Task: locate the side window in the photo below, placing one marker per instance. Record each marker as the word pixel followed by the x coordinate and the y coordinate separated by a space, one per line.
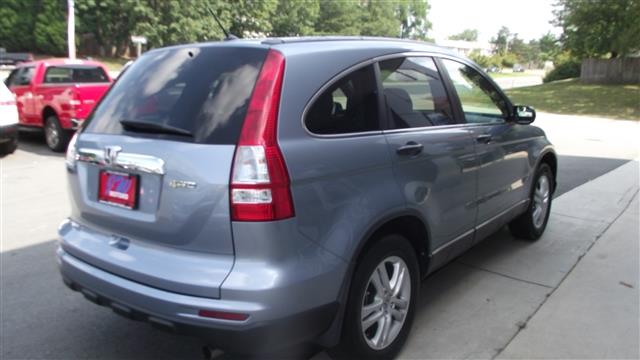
pixel 57 75
pixel 481 102
pixel 67 74
pixel 20 76
pixel 349 105
pixel 12 78
pixel 414 93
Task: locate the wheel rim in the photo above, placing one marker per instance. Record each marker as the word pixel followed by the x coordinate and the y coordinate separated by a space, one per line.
pixel 385 303
pixel 541 197
pixel 51 134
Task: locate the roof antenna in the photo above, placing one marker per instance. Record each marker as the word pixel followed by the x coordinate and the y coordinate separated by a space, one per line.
pixel 227 36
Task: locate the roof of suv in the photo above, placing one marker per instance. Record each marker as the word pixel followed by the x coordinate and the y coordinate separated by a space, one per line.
pixel 315 43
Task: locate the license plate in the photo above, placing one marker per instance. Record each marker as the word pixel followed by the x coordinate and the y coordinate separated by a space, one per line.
pixel 118 189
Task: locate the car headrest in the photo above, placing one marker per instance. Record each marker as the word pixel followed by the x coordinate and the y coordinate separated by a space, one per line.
pixel 398 100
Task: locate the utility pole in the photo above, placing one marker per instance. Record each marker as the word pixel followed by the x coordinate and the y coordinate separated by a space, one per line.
pixel 71 29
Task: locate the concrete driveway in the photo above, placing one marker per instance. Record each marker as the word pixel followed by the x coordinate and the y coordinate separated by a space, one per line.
pixel 573 294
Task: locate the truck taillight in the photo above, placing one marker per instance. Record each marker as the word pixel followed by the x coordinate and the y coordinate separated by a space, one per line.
pixel 259 188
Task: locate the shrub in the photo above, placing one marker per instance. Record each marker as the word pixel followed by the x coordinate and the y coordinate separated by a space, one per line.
pixel 508 60
pixel 566 70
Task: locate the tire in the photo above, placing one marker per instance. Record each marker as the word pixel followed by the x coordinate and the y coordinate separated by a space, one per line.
pixel 531 224
pixel 8 147
pixel 396 253
pixel 56 137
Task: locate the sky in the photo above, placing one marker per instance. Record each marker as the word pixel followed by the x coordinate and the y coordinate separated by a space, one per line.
pixel 528 18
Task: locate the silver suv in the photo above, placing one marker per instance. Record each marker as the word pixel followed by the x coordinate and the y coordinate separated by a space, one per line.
pixel 266 193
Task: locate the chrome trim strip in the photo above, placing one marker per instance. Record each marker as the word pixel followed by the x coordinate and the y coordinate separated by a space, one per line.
pixel 486 222
pixel 451 242
pixel 125 161
pixel 460 237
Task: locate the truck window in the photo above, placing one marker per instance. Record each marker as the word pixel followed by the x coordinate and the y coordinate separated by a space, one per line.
pixel 20 76
pixel 75 74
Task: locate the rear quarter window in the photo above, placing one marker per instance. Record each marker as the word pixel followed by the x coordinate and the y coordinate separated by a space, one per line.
pixel 75 74
pixel 349 105
pixel 204 91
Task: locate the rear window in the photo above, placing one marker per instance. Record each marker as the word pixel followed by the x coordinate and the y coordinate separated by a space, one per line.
pixel 201 92
pixel 75 74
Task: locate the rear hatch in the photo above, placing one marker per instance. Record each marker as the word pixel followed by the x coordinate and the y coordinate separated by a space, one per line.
pixel 150 187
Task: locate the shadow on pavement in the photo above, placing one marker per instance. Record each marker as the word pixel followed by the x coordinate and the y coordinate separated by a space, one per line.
pixel 42 318
pixel 33 142
pixel 577 170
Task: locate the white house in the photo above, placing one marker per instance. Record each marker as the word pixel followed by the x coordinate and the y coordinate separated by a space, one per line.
pixel 465 48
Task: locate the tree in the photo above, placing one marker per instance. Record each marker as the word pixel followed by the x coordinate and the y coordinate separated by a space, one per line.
pixel 50 30
pixel 518 48
pixel 110 22
pixel 338 18
pixel 17 21
pixel 549 47
pixel 378 19
pixel 295 18
pixel 466 35
pixel 599 28
pixel 412 15
pixel 501 41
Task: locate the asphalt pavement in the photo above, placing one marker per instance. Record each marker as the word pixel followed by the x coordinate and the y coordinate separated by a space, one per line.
pixel 498 300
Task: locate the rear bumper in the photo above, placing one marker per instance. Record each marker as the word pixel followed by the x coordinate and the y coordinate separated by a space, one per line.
pixel 178 313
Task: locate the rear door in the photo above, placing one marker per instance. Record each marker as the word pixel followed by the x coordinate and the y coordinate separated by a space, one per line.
pixel 501 145
pixel 433 153
pixel 155 160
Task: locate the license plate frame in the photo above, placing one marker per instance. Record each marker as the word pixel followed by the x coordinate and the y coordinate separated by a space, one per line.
pixel 118 189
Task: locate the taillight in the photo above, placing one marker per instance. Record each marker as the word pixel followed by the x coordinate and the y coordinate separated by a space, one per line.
pixel 72 152
pixel 259 180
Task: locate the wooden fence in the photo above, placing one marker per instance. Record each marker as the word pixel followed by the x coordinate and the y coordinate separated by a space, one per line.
pixel 611 71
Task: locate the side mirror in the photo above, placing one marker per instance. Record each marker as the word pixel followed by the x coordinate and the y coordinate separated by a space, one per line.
pixel 524 114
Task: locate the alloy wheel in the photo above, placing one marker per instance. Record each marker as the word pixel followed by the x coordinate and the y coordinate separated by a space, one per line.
pixel 541 201
pixel 51 134
pixel 386 302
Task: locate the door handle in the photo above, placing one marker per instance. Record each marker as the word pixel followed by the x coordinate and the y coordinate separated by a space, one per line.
pixel 411 148
pixel 484 139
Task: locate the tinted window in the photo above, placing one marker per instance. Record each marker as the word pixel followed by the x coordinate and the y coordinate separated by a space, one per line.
pixel 480 101
pixel 350 105
pixel 9 81
pixel 203 91
pixel 414 93
pixel 75 74
pixel 20 76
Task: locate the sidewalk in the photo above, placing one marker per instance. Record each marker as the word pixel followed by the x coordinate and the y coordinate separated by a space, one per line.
pixel 564 296
pixel 593 313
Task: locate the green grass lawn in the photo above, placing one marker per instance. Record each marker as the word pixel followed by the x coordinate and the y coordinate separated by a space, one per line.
pixel 577 98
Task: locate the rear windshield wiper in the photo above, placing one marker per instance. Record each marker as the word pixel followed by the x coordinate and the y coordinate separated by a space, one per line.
pixel 153 127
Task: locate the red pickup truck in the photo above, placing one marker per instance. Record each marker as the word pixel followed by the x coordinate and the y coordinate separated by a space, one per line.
pixel 57 95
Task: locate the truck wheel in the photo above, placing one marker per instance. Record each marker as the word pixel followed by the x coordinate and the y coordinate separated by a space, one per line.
pixel 382 301
pixel 56 137
pixel 531 224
